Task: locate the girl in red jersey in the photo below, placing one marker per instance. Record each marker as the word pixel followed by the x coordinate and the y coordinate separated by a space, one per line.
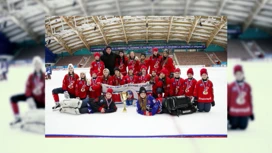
pixel 117 78
pixel 94 85
pixel 143 61
pixel 68 86
pixel 162 85
pixel 177 84
pixel 34 91
pixel 155 61
pixel 203 92
pixel 122 62
pixel 189 84
pixel 106 78
pixel 130 78
pixel 132 61
pixel 144 77
pixel 240 106
pixel 97 64
pixel 81 86
pixel 167 62
pixel 152 77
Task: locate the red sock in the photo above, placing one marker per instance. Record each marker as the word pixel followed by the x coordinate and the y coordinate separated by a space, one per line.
pixel 15 108
pixel 56 97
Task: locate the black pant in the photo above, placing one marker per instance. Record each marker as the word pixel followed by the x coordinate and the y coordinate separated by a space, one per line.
pixel 88 106
pixel 22 97
pixel 238 122
pixel 60 90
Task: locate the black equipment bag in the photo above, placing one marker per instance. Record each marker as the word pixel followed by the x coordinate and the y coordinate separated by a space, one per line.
pixel 178 105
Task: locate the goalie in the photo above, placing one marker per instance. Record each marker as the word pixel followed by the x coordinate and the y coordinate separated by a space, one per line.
pixel 103 104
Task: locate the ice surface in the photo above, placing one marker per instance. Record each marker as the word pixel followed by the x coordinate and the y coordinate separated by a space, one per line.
pixel 133 124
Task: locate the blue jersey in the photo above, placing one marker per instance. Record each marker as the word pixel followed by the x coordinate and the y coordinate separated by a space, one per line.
pixel 48 70
pixel 152 106
pixel 4 66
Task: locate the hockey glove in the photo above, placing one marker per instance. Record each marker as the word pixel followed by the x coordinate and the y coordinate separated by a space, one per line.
pixel 213 103
pixel 252 117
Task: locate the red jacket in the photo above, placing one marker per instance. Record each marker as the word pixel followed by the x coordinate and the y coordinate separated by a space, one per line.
pixel 155 63
pixel 135 64
pixel 105 80
pixel 177 87
pixel 160 84
pixel 69 83
pixel 122 64
pixel 144 63
pixel 189 87
pixel 199 92
pixel 35 87
pixel 144 79
pixel 116 81
pixel 81 89
pixel 130 79
pixel 239 106
pixel 168 64
pixel 97 65
pixel 95 84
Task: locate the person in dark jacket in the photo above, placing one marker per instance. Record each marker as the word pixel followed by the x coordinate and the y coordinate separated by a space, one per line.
pixel 109 59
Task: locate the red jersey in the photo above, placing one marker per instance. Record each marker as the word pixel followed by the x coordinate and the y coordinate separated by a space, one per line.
pixel 69 83
pixel 239 99
pixel 177 87
pixel 105 80
pixel 155 63
pixel 97 65
pixel 35 87
pixel 165 84
pixel 168 64
pixel 117 81
pixel 204 91
pixel 144 78
pixel 95 84
pixel 189 87
pixel 135 64
pixel 144 62
pixel 122 64
pixel 81 89
pixel 130 79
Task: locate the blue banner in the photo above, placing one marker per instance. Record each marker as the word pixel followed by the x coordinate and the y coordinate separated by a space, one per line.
pixel 150 47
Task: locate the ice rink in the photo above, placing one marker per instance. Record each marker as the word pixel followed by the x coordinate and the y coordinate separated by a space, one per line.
pixel 255 139
pixel 131 124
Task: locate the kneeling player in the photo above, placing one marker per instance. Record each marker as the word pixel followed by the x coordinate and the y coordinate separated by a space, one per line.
pixel 34 93
pixel 239 101
pixel 148 105
pixel 203 92
pixel 103 104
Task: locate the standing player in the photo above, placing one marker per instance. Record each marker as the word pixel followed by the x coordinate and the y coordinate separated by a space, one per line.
pixel 189 84
pixel 34 93
pixel 147 105
pixel 68 86
pixel 167 62
pixel 177 84
pixel 131 78
pixel 134 62
pixel 155 61
pixel 103 104
pixel 203 92
pixel 240 106
pixel 122 62
pixel 143 61
pixel 81 86
pixel 144 77
pixel 94 85
pixel 97 64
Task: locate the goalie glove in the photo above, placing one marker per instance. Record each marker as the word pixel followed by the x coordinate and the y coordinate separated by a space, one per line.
pixel 66 95
pixel 31 103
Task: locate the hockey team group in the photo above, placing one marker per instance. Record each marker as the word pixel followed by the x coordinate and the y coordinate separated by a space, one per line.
pixel 85 96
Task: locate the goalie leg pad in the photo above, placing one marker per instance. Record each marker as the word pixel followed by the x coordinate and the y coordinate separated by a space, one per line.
pixel 34 121
pixel 74 111
pixel 72 103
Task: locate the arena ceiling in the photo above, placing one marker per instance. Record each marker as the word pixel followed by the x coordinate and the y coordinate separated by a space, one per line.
pixel 24 19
